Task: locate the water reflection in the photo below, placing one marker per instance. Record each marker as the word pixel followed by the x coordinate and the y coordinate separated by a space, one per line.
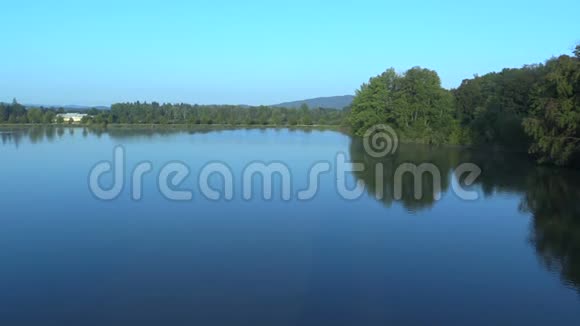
pixel 34 134
pixel 552 199
pixel 14 135
pixel 549 195
pixel 383 188
pixel 37 134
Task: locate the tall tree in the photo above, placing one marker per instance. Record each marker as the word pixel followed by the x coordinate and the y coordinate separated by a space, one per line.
pixel 414 103
pixel 374 102
pixel 554 122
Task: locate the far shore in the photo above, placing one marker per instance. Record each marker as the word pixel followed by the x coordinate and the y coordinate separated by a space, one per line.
pixel 173 125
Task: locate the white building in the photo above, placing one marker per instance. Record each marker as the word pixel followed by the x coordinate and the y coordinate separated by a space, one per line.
pixel 76 117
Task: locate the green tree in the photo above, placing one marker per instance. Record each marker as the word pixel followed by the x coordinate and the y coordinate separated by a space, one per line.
pixel 3 113
pixel 414 103
pixel 34 115
pixel 493 106
pixel 305 115
pixel 424 110
pixel 48 117
pixel 374 102
pixel 554 122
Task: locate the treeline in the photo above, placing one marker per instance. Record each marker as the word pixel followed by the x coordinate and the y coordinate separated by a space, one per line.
pixel 535 108
pixel 155 113
pixel 17 113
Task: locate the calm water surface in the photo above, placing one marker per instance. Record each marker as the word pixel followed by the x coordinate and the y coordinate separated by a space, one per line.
pixel 67 258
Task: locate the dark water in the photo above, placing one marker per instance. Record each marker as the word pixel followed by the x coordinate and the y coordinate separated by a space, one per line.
pixel 67 258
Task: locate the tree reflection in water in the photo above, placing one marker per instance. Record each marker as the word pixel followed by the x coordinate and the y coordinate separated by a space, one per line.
pixel 551 196
pixel 443 158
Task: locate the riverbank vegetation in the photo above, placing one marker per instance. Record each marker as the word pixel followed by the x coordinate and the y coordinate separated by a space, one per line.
pixel 131 113
pixel 15 113
pixel 183 114
pixel 535 108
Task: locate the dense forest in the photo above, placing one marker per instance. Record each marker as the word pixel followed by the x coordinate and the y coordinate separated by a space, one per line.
pixel 535 108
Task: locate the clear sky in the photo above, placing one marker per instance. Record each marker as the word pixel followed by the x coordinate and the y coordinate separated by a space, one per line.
pixel 261 52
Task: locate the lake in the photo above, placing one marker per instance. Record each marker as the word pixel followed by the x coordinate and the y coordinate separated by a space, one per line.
pixel 510 256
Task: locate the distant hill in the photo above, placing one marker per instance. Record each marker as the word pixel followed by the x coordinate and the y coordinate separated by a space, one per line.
pixel 68 107
pixel 84 107
pixel 333 102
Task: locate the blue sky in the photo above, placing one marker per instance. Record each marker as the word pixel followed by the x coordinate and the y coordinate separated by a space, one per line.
pixel 261 52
